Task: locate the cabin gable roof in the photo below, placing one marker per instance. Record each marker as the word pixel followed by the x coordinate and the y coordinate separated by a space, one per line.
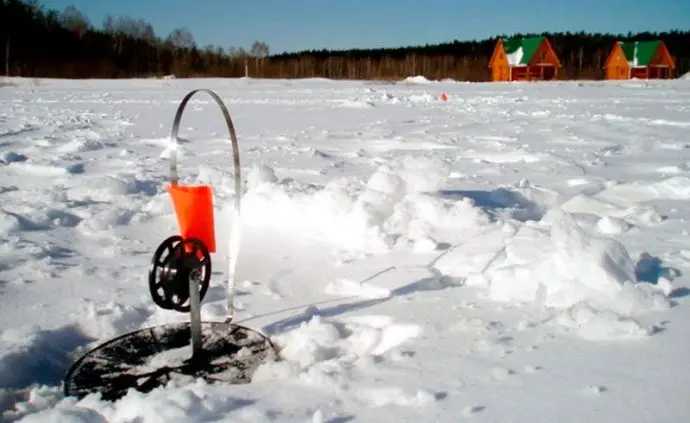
pixel 519 51
pixel 639 53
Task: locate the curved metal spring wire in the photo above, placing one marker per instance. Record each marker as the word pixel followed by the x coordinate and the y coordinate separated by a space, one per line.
pixel 174 179
pixel 174 176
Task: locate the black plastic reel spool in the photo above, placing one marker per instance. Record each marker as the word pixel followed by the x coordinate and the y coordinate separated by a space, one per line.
pixel 176 261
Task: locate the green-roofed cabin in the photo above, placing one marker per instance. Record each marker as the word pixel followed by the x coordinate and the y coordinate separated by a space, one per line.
pixel 640 60
pixel 524 59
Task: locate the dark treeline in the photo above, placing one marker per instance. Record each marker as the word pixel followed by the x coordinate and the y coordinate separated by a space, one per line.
pixel 38 42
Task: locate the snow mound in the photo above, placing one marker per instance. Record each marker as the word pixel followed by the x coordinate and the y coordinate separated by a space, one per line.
pixel 394 205
pixel 561 267
pixel 417 80
pixel 195 401
pixel 617 207
pixel 674 188
pixel 685 77
pixel 422 98
pixel 357 104
pixel 598 325
pixel 505 157
pixel 385 97
pixel 319 351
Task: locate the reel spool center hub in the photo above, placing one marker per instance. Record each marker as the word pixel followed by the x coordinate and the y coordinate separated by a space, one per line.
pixel 176 261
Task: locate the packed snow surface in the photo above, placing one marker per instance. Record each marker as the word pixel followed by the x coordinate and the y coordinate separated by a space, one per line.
pixel 515 253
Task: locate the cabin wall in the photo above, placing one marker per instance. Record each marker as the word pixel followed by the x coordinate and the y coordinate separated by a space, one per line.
pixel 519 73
pixel 542 73
pixel 661 65
pixel 659 58
pixel 639 73
pixel 549 73
pixel 544 55
pixel 652 72
pixel 617 72
pixel 617 65
pixel 499 64
pixel 660 72
pixel 534 73
pixel 500 73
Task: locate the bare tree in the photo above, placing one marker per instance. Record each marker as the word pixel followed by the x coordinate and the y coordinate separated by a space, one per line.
pixel 74 20
pixel 7 55
pixel 259 51
pixel 181 38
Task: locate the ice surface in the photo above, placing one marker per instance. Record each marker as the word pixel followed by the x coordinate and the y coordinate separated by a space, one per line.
pixel 516 253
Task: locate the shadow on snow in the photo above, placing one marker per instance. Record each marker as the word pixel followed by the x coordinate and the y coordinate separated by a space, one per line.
pixel 500 203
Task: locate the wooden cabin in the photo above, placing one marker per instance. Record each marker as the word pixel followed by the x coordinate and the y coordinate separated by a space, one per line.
pixel 524 59
pixel 639 59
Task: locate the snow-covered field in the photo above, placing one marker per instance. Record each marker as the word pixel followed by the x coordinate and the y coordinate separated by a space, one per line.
pixel 516 253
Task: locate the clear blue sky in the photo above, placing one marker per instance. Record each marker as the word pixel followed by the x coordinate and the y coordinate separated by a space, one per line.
pixel 291 25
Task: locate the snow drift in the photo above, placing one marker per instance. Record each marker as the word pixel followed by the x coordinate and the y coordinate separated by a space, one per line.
pixel 557 263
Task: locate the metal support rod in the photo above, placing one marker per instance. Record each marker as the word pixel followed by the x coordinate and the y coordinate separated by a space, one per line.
pixel 195 314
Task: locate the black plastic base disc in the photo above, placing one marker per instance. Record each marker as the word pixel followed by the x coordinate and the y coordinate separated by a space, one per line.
pixel 151 357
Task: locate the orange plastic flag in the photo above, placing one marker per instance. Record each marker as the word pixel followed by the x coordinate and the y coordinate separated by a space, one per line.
pixel 194 211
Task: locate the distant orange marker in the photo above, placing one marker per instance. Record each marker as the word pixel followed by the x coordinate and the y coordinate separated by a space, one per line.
pixel 443 96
